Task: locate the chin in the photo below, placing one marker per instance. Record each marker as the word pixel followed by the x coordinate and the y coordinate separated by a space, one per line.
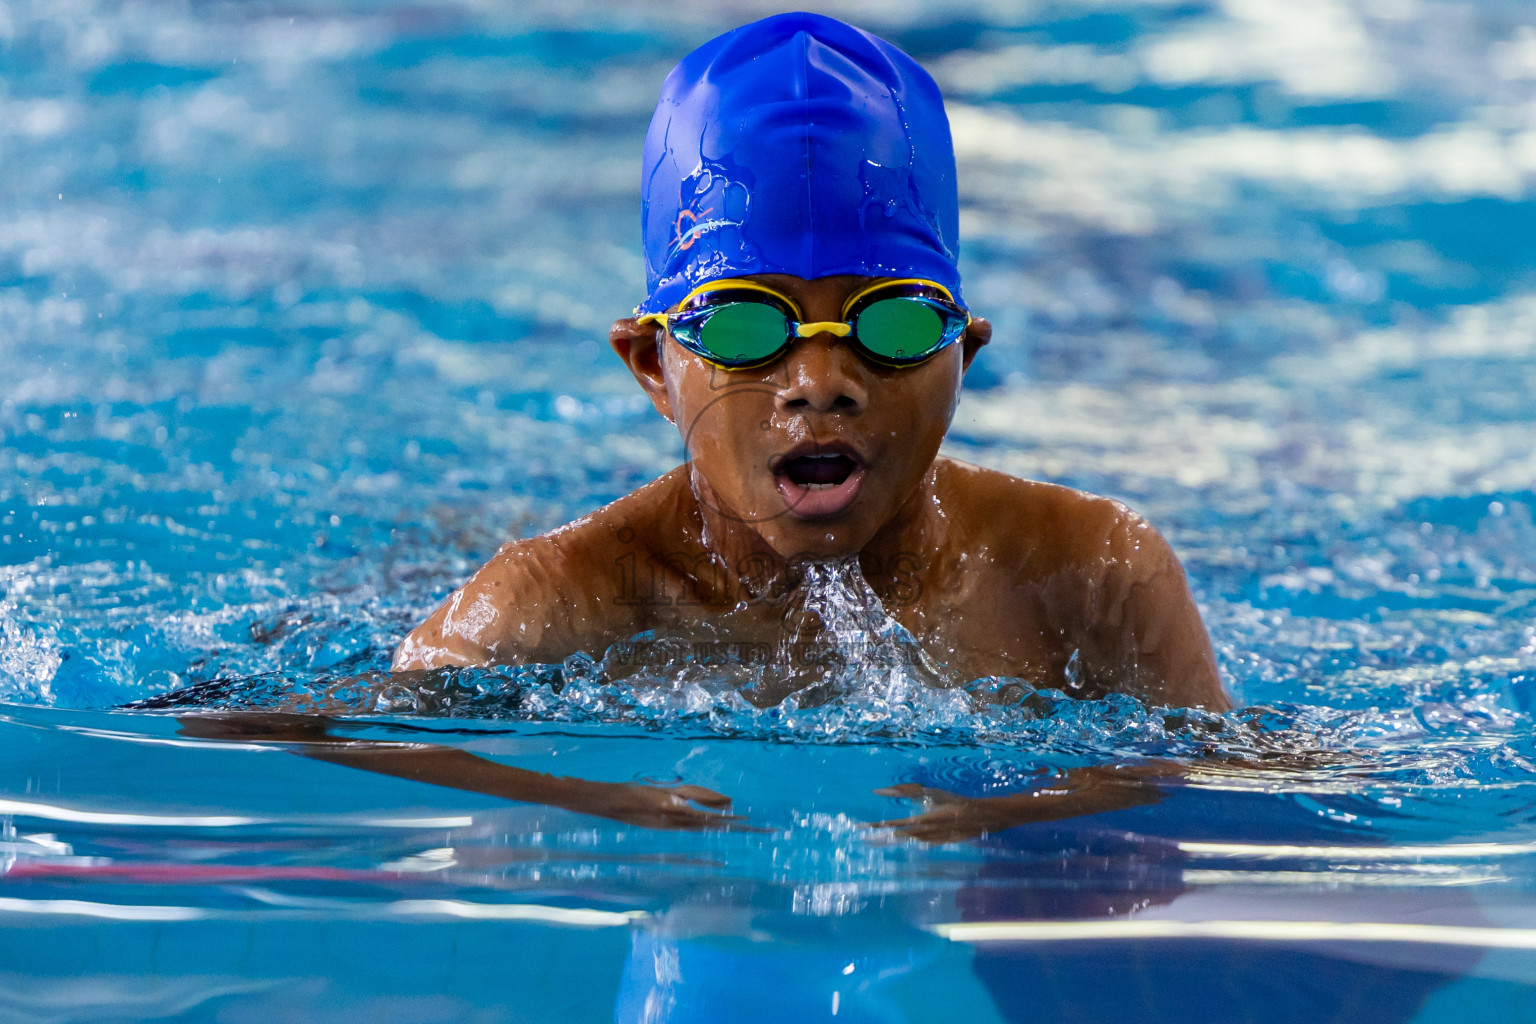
pixel 816 539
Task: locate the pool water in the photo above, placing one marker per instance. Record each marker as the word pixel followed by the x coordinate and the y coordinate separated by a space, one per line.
pixel 302 314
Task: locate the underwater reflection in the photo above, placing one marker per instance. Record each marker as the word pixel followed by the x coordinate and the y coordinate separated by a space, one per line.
pixel 1080 918
pixel 880 958
pixel 888 960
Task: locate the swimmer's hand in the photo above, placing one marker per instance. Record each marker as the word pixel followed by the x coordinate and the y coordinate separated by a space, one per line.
pixel 669 807
pixel 950 818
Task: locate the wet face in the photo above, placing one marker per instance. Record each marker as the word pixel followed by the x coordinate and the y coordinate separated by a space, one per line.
pixel 820 449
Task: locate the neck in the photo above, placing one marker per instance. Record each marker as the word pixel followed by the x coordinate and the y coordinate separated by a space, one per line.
pixel 748 566
pixel 901 559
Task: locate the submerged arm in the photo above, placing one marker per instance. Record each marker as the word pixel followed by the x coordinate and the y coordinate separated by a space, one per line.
pixel 311 736
pixel 1092 789
pixel 949 818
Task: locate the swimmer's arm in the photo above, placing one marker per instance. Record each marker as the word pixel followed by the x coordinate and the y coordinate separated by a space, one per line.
pixel 1091 789
pixel 1147 637
pixel 314 737
pixel 949 818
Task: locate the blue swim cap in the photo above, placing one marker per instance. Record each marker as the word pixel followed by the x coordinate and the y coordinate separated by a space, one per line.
pixel 797 145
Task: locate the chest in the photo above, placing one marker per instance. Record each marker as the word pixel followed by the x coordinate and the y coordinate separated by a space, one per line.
pixel 974 619
pixel 988 624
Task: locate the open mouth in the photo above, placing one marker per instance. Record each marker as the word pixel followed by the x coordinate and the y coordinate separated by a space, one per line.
pixel 819 472
pixel 820 483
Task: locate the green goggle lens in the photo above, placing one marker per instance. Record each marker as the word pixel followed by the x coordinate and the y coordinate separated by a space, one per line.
pixel 743 332
pixel 899 328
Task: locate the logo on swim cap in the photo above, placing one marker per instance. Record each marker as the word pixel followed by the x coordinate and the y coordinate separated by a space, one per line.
pixel 708 202
pixel 797 145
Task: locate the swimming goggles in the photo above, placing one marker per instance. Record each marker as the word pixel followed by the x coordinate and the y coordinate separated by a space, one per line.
pixel 737 324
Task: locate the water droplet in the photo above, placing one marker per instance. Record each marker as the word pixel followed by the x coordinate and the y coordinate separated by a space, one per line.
pixel 1074 673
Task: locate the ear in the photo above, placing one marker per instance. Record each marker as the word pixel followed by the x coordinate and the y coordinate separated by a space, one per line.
pixel 976 335
pixel 639 345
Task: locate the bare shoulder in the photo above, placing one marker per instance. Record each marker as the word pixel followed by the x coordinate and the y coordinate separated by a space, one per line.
pixel 1109 584
pixel 594 540
pixel 542 598
pixel 1048 527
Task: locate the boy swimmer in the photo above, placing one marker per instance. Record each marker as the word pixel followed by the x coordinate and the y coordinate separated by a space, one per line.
pixel 806 332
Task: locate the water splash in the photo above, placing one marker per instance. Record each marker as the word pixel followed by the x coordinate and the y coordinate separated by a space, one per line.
pixel 29 659
pixel 845 671
pixel 836 644
pixel 862 651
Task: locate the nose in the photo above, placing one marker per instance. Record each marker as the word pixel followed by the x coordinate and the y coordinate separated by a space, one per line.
pixel 824 375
